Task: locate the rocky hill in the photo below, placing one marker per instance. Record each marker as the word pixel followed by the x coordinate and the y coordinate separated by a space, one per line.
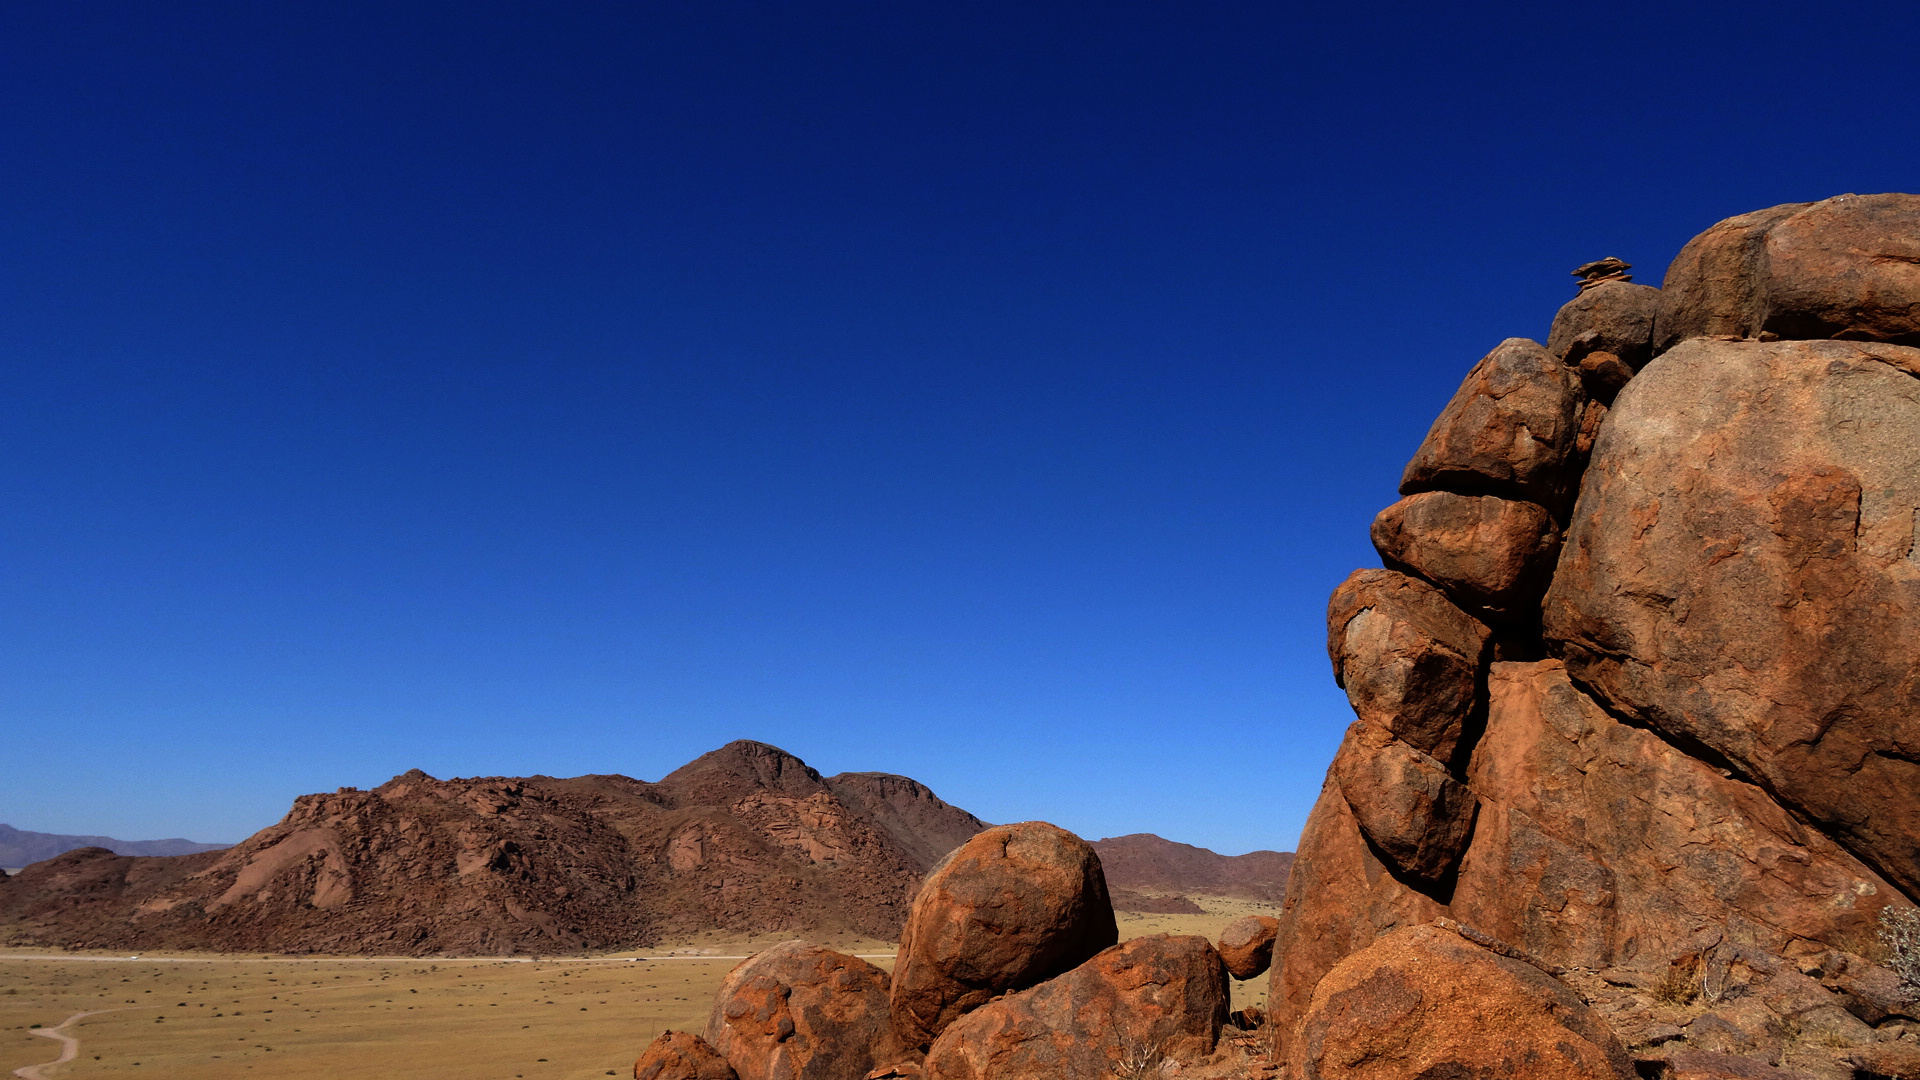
pixel 747 838
pixel 1145 862
pixel 1638 699
pixel 18 847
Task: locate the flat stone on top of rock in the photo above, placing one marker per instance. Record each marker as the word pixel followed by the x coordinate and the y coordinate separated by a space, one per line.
pixel 1012 907
pixel 803 1012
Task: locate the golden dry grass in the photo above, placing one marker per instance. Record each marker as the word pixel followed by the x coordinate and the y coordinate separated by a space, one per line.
pixel 229 1017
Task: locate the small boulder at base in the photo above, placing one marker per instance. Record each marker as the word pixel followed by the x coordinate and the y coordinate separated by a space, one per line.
pixel 1423 1002
pixel 681 1055
pixel 1491 556
pixel 1508 430
pixel 1408 658
pixel 1246 945
pixel 1012 907
pixel 803 1012
pixel 1140 1003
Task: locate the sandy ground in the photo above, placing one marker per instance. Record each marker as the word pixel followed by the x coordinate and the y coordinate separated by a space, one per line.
pixel 214 1017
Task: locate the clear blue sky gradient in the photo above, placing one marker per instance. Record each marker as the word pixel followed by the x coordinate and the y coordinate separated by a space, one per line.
pixel 990 393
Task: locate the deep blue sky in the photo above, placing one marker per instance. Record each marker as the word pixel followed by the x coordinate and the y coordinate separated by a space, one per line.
pixel 990 393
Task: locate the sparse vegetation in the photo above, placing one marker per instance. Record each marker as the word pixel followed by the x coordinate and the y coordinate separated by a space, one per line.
pixel 1900 933
pixel 1677 987
pixel 1139 1061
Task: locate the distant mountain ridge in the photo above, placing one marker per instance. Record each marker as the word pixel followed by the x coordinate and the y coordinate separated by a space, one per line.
pixel 20 847
pixel 1143 861
pixel 747 838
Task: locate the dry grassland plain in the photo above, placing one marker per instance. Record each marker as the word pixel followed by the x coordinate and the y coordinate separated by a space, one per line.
pixel 216 1017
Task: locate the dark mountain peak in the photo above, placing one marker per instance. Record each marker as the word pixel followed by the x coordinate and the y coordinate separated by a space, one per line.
pixel 1146 861
pixel 739 769
pixel 923 824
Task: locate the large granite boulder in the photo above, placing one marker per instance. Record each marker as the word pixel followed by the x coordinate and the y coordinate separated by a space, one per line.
pixel 1740 574
pixel 1846 267
pixel 1408 658
pixel 1422 1002
pixel 1149 1000
pixel 803 1012
pixel 1508 431
pixel 1492 556
pixel 1012 907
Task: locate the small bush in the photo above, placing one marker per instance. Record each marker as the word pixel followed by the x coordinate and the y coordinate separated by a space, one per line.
pixel 1677 987
pixel 1900 933
pixel 1138 1062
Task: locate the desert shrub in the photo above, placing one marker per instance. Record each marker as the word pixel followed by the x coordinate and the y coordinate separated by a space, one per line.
pixel 1900 933
pixel 1138 1061
pixel 1677 987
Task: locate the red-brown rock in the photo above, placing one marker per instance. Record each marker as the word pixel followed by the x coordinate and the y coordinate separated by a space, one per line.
pixel 1417 815
pixel 1012 907
pixel 1422 1002
pixel 1707 1065
pixel 1613 317
pixel 1408 658
pixel 1246 945
pixel 1491 556
pixel 1846 267
pixel 1339 898
pixel 1740 574
pixel 681 1055
pixel 803 1012
pixel 1508 430
pixel 1158 996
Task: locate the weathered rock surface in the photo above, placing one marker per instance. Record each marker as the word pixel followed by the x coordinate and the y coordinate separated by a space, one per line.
pixel 1421 1002
pixel 1741 574
pixel 1613 317
pixel 1408 658
pixel 1846 267
pixel 1491 556
pixel 1246 945
pixel 746 838
pixel 1404 801
pixel 1508 430
pixel 1012 907
pixel 803 1012
pixel 681 1055
pixel 1159 995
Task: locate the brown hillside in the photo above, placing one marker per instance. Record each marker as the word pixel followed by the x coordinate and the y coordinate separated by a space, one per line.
pixel 1145 861
pixel 746 838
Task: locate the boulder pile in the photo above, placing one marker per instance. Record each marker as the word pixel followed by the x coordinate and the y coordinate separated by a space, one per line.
pixel 1009 969
pixel 1636 764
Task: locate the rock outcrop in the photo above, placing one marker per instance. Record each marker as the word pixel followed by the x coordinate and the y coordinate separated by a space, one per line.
pixel 1148 1000
pixel 746 839
pixel 1655 742
pixel 1422 1002
pixel 681 1055
pixel 1012 907
pixel 802 1012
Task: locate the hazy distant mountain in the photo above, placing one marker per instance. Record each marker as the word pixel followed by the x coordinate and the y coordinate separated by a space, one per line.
pixel 1143 861
pixel 18 847
pixel 745 839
